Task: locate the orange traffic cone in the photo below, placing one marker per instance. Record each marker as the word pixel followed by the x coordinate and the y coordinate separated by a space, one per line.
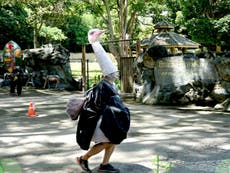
pixel 31 110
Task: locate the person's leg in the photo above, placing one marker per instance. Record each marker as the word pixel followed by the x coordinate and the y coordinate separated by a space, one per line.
pixel 108 152
pixel 95 150
pixel 19 87
pixel 83 160
pixel 106 166
pixel 12 87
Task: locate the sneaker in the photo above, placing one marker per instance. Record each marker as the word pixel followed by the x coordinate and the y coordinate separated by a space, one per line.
pixel 108 168
pixel 83 164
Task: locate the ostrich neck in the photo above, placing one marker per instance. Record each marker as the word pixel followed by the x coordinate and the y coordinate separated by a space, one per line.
pixel 103 58
pixel 97 47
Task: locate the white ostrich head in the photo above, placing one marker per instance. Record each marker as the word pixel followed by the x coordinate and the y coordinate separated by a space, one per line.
pixel 94 34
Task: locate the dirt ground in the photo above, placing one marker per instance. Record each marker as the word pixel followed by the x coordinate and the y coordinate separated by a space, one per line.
pixel 193 139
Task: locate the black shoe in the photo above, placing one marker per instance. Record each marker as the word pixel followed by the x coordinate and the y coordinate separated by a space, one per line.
pixel 108 168
pixel 83 164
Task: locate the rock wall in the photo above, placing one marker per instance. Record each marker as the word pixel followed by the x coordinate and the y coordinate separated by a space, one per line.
pixel 202 79
pixel 50 60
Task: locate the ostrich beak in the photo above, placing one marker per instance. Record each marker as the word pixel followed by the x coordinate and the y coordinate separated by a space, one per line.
pixel 100 32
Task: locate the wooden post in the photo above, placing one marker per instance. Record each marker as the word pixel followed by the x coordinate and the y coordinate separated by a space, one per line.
pixel 138 51
pixel 87 76
pixel 126 72
pixel 83 69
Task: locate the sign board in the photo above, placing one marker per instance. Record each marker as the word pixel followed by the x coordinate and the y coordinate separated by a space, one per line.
pixel 178 71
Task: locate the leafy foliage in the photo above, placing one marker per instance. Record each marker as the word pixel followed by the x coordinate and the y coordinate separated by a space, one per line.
pixel 222 28
pixel 68 21
pixel 51 34
pixel 14 25
pixel 205 19
pixel 201 31
pixel 160 166
pixel 76 32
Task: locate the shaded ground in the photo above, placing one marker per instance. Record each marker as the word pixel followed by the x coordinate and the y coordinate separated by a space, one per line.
pixel 193 139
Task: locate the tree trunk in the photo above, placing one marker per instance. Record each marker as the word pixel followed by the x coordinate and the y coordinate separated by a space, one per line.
pixel 35 35
pixel 36 31
pixel 112 48
pixel 122 24
pixel 35 39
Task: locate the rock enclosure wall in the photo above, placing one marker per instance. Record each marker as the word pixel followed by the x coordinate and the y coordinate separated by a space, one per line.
pixel 50 60
pixel 202 79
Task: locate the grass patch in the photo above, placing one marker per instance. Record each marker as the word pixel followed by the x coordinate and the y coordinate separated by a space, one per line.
pixel 94 73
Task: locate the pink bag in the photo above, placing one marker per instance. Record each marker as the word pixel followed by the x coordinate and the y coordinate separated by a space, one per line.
pixel 74 107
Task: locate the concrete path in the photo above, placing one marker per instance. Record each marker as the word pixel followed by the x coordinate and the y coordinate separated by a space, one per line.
pixel 192 139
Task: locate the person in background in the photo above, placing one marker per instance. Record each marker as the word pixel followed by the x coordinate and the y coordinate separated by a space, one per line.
pixel 16 81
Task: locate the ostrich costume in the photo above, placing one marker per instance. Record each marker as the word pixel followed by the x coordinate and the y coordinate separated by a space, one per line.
pixel 104 60
pixel 104 118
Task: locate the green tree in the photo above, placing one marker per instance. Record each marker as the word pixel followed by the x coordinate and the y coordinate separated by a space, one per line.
pixel 222 28
pixel 45 14
pixel 51 34
pixel 204 20
pixel 76 31
pixel 122 18
pixel 14 25
pixel 49 20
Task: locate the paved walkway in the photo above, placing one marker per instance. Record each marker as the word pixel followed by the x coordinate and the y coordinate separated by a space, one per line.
pixel 192 139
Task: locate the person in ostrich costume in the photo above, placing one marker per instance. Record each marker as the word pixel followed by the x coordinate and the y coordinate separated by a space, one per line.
pixel 108 121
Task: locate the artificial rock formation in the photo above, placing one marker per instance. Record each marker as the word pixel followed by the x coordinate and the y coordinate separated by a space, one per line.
pixel 202 79
pixel 50 61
